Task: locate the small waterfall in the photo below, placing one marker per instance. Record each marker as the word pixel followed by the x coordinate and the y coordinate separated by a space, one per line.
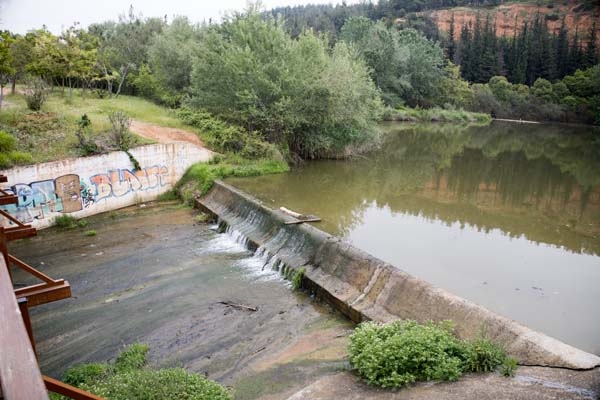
pixel 237 236
pixel 261 265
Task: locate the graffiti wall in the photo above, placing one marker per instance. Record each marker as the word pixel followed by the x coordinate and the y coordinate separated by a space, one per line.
pixel 90 185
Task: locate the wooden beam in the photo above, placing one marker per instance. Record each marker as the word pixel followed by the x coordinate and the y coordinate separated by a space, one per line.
pixel 44 293
pixel 3 179
pixel 40 275
pixel 20 375
pixel 27 320
pixel 8 199
pixel 56 386
pixel 18 232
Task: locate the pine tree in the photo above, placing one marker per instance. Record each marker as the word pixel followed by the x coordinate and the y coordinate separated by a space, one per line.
pixel 590 57
pixel 561 53
pixel 451 42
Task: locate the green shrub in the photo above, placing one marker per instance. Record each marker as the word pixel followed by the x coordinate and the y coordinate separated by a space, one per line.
pixel 403 352
pixel 133 357
pixel 483 355
pixel 166 384
pixel 127 379
pixel 66 222
pixel 396 354
pixel 225 137
pixel 509 366
pixel 86 373
pixel 90 233
pixel 37 93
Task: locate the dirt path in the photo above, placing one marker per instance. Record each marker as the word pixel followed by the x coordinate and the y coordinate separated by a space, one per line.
pixel 163 134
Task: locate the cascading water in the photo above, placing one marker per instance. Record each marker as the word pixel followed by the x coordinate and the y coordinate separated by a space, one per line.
pixel 262 265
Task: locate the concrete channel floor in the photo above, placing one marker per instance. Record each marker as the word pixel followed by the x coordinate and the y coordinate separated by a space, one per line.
pixel 154 275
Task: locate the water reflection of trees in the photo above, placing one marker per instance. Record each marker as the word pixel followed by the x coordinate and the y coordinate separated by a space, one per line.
pixel 537 181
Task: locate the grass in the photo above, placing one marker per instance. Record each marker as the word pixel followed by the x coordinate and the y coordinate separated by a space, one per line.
pixel 437 114
pixel 200 177
pixel 129 378
pixel 90 233
pixel 50 134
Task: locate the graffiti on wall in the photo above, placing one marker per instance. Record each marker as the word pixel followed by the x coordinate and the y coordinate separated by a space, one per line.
pixel 69 193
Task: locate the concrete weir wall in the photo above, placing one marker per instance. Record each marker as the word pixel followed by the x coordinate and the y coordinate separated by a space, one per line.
pixel 366 288
pixel 85 186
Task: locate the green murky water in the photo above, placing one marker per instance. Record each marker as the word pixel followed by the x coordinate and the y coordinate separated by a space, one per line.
pixel 506 215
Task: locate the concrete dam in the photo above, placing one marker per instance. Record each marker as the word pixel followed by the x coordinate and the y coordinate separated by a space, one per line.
pixel 365 288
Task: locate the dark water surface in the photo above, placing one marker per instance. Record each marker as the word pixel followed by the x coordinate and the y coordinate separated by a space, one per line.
pixel 506 215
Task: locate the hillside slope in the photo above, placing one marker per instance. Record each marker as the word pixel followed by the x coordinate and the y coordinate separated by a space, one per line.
pixel 510 16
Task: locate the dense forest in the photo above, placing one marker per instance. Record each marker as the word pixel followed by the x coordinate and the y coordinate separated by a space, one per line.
pixel 313 80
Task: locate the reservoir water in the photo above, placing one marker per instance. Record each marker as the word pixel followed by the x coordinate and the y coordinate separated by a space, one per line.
pixel 506 215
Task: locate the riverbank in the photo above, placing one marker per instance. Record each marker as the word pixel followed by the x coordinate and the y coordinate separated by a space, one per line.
pixel 436 114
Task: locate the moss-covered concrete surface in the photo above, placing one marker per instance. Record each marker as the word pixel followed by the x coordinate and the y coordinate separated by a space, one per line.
pixel 154 275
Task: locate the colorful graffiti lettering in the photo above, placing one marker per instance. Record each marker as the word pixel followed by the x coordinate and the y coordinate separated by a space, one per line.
pixel 119 182
pixel 68 193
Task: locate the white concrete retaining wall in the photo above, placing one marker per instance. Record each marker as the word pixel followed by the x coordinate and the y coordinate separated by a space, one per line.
pixel 85 186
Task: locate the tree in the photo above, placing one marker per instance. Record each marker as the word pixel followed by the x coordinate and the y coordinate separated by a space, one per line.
pixel 124 45
pixel 6 68
pixel 296 93
pixel 22 56
pixel 171 54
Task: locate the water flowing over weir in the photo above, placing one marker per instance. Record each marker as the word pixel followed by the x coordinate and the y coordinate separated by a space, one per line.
pixel 366 288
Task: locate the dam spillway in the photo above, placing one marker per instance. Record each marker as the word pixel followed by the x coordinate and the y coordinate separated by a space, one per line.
pixel 366 288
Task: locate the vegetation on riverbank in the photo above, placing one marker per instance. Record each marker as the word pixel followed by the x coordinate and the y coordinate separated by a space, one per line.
pixel 402 352
pixel 436 114
pixel 200 177
pixel 129 378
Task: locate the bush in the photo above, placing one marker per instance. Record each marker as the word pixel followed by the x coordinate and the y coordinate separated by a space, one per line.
pixel 402 352
pixel 120 123
pixel 86 373
pixel 37 93
pixel 86 145
pixel 225 137
pixel 483 355
pixel 133 357
pixel 166 384
pixel 66 222
pixel 127 379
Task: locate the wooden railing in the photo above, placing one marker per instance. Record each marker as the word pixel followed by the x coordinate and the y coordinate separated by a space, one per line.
pixel 20 376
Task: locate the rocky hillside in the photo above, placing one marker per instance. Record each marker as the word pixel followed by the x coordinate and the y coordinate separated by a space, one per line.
pixel 510 16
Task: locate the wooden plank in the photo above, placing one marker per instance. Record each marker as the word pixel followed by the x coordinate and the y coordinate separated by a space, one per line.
pixel 23 307
pixel 40 275
pixel 43 293
pixel 3 179
pixel 20 375
pixel 20 233
pixel 72 392
pixel 9 199
pixel 301 221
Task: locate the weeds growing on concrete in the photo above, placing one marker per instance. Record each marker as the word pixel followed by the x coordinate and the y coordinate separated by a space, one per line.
pixel 396 354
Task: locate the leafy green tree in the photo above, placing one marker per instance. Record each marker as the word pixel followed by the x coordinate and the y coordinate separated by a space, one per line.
pixel 6 68
pixel 22 56
pixel 296 93
pixel 171 54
